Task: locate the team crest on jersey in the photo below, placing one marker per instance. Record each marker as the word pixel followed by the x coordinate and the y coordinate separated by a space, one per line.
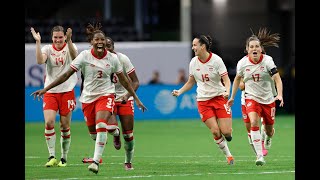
pixel 211 69
pixel 198 69
pixel 53 54
pixel 108 65
pixel 247 69
pixel 249 104
pixel 64 52
pixel 92 65
pixel 261 68
pixel 244 116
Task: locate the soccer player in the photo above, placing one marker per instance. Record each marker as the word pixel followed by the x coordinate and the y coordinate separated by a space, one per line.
pixel 259 74
pixel 57 57
pixel 209 72
pixel 123 107
pixel 97 98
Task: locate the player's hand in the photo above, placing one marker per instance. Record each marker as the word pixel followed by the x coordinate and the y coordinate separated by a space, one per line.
pixel 36 35
pixel 140 105
pixel 279 98
pixel 69 34
pixel 38 94
pixel 230 102
pixel 175 93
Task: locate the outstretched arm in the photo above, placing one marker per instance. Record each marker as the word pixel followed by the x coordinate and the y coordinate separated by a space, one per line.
pixel 55 83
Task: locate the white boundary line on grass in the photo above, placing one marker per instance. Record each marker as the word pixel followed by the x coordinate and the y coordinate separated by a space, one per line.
pixel 178 175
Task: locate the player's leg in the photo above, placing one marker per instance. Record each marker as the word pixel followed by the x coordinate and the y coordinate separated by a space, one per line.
pixel 263 136
pixel 220 141
pixel 225 125
pixel 269 119
pixel 89 116
pixel 256 137
pixel 67 103
pixel 103 113
pixel 50 107
pixel 50 136
pixel 247 124
pixel 101 139
pixel 114 130
pixel 65 138
pixel 127 123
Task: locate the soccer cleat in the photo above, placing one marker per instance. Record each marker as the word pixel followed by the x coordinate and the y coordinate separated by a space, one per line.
pixel 267 141
pixel 51 162
pixel 94 167
pixel 128 166
pixel 62 163
pixel 230 160
pixel 264 151
pixel 117 141
pixel 90 160
pixel 260 161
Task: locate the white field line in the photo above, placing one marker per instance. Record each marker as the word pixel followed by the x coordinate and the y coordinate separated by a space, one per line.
pixel 179 175
pixel 36 157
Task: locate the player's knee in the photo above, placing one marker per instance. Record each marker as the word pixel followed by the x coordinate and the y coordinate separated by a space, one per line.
pixel 101 126
pixel 112 128
pixel 128 135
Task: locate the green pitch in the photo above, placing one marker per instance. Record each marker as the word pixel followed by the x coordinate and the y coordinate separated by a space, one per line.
pixel 173 150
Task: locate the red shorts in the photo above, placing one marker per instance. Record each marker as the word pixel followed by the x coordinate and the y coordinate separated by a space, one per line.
pixel 103 103
pixel 245 116
pixel 266 111
pixel 64 102
pixel 124 109
pixel 214 107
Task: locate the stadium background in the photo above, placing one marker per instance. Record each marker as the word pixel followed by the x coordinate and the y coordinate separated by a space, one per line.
pixel 157 35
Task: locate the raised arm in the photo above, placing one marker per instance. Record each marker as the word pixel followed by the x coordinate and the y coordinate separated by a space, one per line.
pixel 73 51
pixel 40 57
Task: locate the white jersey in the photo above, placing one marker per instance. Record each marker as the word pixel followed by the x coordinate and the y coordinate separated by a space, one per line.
pixel 57 63
pixel 127 68
pixel 208 76
pixel 259 84
pixel 96 73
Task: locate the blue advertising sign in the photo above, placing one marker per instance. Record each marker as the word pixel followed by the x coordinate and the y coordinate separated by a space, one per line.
pixel 157 98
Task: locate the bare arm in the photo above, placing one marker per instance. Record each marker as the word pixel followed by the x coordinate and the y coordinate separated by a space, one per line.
pixel 186 87
pixel 227 85
pixel 72 50
pixel 55 83
pixel 134 81
pixel 279 86
pixel 40 57
pixel 235 87
pixel 125 83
